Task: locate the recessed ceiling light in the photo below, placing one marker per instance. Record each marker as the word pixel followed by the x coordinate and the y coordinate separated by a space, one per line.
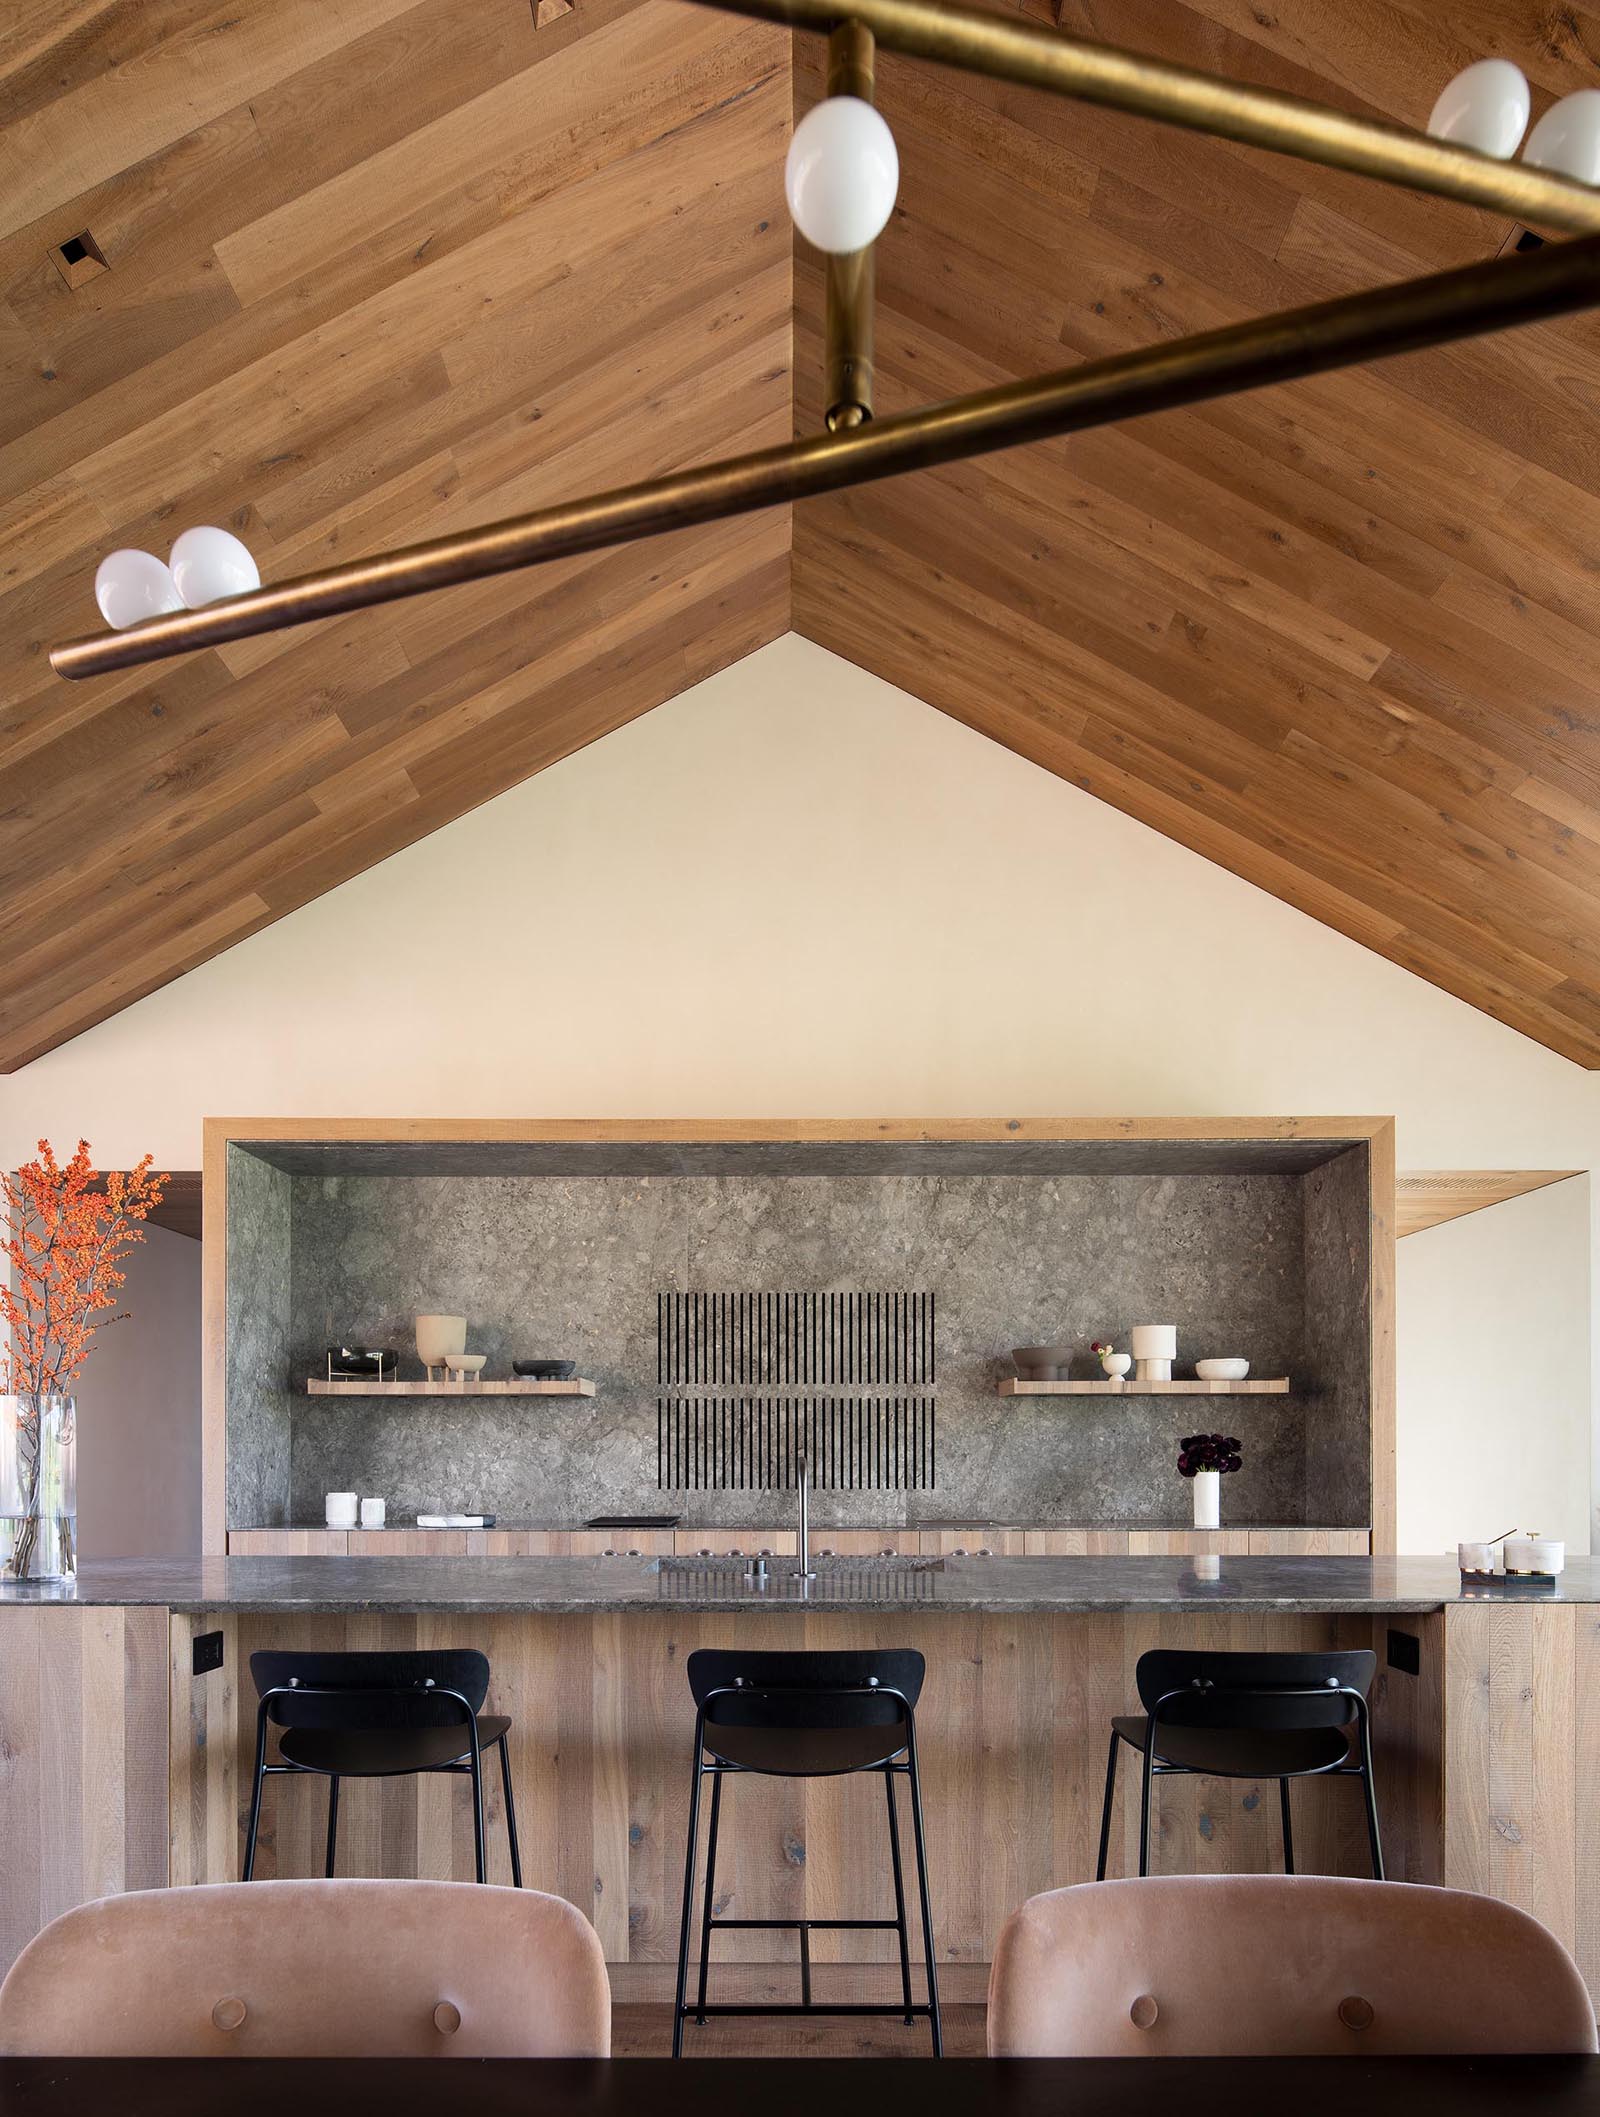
pixel 78 259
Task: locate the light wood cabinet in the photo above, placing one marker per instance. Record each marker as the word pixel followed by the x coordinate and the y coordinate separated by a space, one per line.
pixel 1310 1543
pixel 288 1543
pixel 945 1542
pixel 568 1543
pixel 980 1538
pixel 1076 1543
pixel 694 1543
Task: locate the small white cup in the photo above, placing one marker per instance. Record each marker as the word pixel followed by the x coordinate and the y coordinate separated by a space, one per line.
pixel 372 1514
pixel 1476 1558
pixel 1549 1555
pixel 339 1510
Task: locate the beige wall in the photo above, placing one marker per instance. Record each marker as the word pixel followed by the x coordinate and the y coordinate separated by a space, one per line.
pixel 1493 1371
pixel 139 1411
pixel 795 890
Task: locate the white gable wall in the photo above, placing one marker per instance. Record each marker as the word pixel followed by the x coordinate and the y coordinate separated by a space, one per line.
pixel 797 891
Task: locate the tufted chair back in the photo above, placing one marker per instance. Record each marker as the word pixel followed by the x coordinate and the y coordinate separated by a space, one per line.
pixel 340 1969
pixel 1279 1966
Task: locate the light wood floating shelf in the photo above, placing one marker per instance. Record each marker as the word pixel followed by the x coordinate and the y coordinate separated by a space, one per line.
pixel 1426 1198
pixel 1273 1386
pixel 517 1386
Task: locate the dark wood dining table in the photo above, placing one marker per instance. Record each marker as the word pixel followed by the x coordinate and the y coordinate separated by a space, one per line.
pixel 843 2087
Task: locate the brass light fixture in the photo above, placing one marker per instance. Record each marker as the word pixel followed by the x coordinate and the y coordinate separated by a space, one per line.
pixel 1553 187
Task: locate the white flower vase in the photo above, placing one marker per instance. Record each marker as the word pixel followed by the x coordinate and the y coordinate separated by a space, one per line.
pixel 1115 1366
pixel 1207 1499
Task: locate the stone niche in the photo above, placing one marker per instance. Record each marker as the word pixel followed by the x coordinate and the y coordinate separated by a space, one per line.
pixel 1249 1247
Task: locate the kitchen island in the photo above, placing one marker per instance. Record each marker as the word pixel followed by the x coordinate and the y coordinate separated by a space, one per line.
pixel 127 1716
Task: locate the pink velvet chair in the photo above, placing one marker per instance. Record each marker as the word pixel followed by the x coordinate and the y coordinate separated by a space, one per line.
pixel 341 1969
pixel 1192 1966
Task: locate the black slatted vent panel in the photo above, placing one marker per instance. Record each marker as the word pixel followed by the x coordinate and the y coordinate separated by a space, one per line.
pixel 799 1340
pixel 747 1444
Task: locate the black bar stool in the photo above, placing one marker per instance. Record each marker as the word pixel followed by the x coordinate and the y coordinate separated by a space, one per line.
pixel 806 1716
pixel 1248 1716
pixel 379 1716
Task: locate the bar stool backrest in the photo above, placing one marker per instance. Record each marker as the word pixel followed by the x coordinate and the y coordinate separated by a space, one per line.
pixel 340 1969
pixel 396 1685
pixel 1265 1691
pixel 1279 1966
pixel 798 1690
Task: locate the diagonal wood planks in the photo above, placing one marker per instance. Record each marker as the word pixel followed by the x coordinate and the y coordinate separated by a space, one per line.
pixel 1342 637
pixel 377 270
pixel 381 269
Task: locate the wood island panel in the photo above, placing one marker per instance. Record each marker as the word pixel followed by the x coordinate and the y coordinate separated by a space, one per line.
pixel 1013 1726
pixel 120 1768
pixel 83 1760
pixel 1522 1751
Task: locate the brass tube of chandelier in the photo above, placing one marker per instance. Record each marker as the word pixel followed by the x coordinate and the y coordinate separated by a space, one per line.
pixel 1552 281
pixel 1040 57
pixel 848 305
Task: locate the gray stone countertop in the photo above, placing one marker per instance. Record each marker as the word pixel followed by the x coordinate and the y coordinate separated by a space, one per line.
pixel 579 1586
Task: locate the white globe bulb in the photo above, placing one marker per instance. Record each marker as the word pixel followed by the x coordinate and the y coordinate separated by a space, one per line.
pixel 132 585
pixel 210 563
pixel 842 175
pixel 1567 138
pixel 1485 106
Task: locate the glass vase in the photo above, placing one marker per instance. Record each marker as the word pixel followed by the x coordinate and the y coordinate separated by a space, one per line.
pixel 38 1488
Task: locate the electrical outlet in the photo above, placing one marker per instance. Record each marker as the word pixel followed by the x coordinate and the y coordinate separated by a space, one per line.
pixel 1405 1652
pixel 207 1652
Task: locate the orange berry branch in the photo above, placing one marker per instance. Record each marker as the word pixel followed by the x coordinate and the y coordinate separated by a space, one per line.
pixel 66 1233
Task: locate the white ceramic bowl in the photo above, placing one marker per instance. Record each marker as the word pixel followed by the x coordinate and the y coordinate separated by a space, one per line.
pixel 1222 1370
pixel 465 1363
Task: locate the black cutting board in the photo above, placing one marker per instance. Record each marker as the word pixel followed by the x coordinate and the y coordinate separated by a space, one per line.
pixel 633 1521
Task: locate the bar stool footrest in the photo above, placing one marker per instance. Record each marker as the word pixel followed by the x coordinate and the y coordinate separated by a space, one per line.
pixel 806 1925
pixel 691 2012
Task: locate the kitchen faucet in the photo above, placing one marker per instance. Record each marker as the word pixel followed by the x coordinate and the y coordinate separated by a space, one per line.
pixel 804 1569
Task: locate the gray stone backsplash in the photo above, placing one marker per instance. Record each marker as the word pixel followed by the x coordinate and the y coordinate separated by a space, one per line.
pixel 571 1268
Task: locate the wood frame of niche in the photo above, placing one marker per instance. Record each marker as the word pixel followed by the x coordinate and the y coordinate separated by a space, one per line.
pixel 222 1132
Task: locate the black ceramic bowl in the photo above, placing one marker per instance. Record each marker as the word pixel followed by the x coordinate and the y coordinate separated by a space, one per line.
pixel 352 1361
pixel 545 1370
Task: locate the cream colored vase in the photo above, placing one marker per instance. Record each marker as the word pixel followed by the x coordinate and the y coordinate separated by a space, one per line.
pixel 440 1336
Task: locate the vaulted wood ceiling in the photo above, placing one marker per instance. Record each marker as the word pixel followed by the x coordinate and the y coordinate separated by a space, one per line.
pixel 1342 638
pixel 378 268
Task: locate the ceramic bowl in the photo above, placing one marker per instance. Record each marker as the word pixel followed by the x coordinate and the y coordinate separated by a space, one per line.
pixel 1042 1363
pixel 465 1363
pixel 438 1337
pixel 545 1370
pixel 1222 1370
pixel 352 1361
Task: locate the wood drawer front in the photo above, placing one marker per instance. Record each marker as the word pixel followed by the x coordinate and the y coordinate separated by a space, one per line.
pixel 288 1543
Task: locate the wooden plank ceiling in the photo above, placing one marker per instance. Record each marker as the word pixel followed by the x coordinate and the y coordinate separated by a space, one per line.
pixel 379 268
pixel 1342 638
pixel 376 270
